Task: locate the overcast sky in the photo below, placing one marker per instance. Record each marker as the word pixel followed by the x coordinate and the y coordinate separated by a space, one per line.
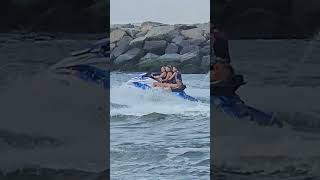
pixel 165 11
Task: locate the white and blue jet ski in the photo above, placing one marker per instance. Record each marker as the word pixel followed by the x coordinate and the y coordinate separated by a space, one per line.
pixel 144 81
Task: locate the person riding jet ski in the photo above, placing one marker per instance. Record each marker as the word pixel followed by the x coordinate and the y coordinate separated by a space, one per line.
pixel 224 80
pixel 175 81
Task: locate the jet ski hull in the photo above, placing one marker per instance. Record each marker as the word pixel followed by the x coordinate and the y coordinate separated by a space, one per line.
pixel 180 93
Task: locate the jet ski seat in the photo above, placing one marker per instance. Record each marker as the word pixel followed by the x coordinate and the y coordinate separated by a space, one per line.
pixel 179 90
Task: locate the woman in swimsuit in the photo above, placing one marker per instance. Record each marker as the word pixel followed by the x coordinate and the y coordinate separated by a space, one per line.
pixel 176 80
pixel 160 77
pixel 168 73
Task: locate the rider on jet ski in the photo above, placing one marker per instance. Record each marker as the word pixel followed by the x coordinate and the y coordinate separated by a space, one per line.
pixel 175 81
pixel 172 80
pixel 224 81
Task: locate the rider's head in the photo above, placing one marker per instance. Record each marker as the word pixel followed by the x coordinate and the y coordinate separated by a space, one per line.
pixel 163 69
pixel 174 69
pixel 168 68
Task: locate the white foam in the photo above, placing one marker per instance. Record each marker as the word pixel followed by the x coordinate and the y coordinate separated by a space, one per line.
pixel 141 102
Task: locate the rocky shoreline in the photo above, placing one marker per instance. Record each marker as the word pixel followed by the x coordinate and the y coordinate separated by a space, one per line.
pixel 147 46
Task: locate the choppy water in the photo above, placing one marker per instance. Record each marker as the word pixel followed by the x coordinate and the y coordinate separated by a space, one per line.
pixel 156 135
pixel 282 77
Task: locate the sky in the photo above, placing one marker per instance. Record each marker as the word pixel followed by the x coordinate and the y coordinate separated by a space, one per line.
pixel 164 11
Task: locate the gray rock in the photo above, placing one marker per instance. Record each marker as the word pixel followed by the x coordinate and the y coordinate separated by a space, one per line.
pixel 184 43
pixel 149 56
pixel 132 32
pixel 205 27
pixel 190 49
pixel 147 26
pixel 116 35
pixel 156 47
pixel 205 62
pixel 122 47
pixel 112 46
pixel 178 39
pixel 132 55
pixel 198 42
pixel 184 26
pixel 172 49
pixel 170 58
pixel 205 50
pixel 161 33
pixel 190 58
pixel 141 34
pixel 118 26
pixel 138 42
pixel 195 33
pixel 151 23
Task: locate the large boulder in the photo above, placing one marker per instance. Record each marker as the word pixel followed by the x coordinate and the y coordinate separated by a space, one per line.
pixel 148 25
pixel 131 56
pixel 205 62
pixel 138 42
pixel 195 33
pixel 184 26
pixel 121 26
pixel 178 39
pixel 112 46
pixel 189 49
pixel 162 33
pixel 172 49
pixel 205 27
pixel 122 47
pixel 116 35
pixel 149 56
pixel 156 47
pixel 132 32
pixel 170 59
pixel 205 50
pixel 190 58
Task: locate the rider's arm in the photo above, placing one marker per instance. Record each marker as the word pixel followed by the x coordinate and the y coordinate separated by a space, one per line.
pixel 167 78
pixel 160 76
pixel 172 76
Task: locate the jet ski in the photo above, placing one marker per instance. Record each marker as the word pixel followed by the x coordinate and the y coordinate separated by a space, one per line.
pixel 144 81
pixel 223 96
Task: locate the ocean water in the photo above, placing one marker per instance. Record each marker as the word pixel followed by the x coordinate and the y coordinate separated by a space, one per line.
pixel 156 135
pixel 282 77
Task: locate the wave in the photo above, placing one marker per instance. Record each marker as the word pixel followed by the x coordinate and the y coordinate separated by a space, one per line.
pixel 133 101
